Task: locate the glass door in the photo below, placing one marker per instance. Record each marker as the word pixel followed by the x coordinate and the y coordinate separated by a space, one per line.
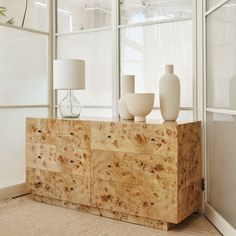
pixel 24 79
pixel 84 31
pixel 220 114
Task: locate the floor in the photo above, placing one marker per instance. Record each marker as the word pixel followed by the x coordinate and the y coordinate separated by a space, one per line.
pixel 25 217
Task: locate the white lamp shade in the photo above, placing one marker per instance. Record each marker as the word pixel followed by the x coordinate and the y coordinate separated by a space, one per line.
pixel 69 74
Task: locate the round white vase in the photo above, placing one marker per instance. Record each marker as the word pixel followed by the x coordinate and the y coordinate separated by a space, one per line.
pixel 127 86
pixel 140 105
pixel 169 94
pixel 123 109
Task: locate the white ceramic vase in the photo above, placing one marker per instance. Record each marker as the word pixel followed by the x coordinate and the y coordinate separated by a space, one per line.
pixel 127 86
pixel 169 94
pixel 140 105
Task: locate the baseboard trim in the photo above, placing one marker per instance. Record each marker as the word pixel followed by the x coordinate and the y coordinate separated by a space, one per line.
pixel 218 221
pixel 13 191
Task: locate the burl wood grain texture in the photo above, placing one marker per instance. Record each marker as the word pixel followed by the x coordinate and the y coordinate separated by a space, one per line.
pixel 189 199
pixel 154 157
pixel 130 171
pixel 133 137
pixel 139 200
pixel 59 132
pixel 58 185
pixel 142 169
pixel 66 159
pixel 189 169
pixel 58 159
pixel 189 153
pixel 109 214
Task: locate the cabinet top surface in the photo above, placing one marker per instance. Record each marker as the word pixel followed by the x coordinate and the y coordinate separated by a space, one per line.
pixel 116 120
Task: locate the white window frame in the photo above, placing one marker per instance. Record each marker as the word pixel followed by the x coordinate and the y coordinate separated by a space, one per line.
pixel 49 35
pixel 115 27
pixel 221 224
pixel 21 189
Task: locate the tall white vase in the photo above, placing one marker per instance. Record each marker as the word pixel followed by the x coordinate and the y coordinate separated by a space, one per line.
pixel 169 94
pixel 127 86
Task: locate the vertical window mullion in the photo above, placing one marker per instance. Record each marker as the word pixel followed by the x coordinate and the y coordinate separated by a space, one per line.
pixel 115 58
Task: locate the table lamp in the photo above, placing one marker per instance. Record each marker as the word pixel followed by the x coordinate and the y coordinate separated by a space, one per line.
pixel 69 75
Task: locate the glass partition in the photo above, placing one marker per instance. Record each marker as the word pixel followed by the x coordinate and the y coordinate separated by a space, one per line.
pixel 145 50
pixel 136 11
pixel 212 3
pixel 221 134
pixel 24 92
pixel 24 67
pixel 142 50
pixel 32 14
pixel 221 56
pixel 75 15
pixel 96 49
pixel 220 115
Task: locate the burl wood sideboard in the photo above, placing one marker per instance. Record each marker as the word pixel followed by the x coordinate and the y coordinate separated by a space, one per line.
pixel 144 173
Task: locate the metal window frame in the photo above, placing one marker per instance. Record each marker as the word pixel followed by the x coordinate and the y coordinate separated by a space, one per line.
pixel 17 190
pixel 154 22
pixel 213 8
pixel 24 29
pixel 115 28
pixel 209 211
pixel 199 107
pixel 49 105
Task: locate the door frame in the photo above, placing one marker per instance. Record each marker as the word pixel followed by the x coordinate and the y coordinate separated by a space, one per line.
pixel 217 220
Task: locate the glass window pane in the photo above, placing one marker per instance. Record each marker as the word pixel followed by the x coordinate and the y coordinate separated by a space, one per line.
pixel 12 139
pixel 183 115
pixel 221 133
pixel 134 11
pixel 212 3
pixel 35 11
pixel 146 49
pixel 107 113
pixel 96 49
pixel 74 15
pixel 221 56
pixel 24 67
pixel 93 112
